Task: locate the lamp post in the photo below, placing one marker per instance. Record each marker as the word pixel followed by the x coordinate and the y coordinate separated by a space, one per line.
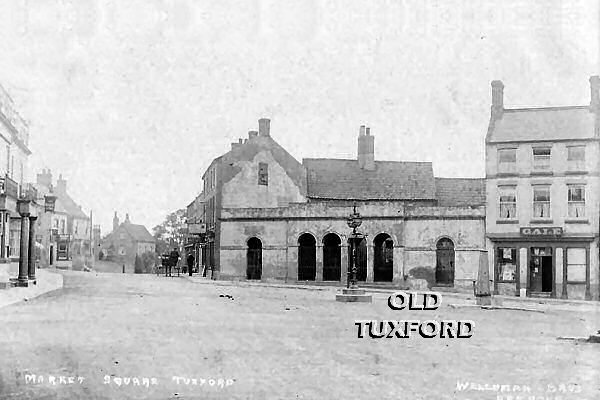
pixel 352 293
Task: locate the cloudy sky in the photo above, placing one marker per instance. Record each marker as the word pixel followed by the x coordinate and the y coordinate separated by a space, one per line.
pixel 131 100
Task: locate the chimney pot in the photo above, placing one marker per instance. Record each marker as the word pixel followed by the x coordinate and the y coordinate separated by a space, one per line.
pixel 264 127
pixel 362 130
pixel 240 141
pixel 368 130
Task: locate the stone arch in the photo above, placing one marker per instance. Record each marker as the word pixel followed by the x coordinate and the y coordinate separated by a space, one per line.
pixel 383 266
pixel 332 257
pixel 445 259
pixel 307 257
pixel 254 258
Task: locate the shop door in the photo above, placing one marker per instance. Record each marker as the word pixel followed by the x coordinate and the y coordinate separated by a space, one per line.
pixel 444 268
pixel 254 259
pixel 540 269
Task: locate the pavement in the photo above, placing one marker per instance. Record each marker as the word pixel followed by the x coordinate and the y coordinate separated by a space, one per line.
pixel 47 281
pixel 453 298
pixel 105 335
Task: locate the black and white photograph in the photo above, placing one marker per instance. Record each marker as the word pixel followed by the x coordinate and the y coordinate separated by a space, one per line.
pixel 300 199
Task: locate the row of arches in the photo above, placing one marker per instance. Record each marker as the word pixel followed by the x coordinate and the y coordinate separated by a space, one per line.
pixel 383 265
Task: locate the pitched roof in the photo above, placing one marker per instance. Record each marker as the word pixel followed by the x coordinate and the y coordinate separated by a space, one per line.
pixel 139 233
pixel 70 206
pixel 460 191
pixel 391 180
pixel 550 123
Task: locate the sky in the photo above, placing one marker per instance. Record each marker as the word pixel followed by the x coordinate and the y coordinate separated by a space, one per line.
pixel 131 100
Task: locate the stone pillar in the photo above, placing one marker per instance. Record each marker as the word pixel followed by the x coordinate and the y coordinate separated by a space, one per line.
pixel 24 256
pixel 344 262
pixel 558 275
pixel 564 294
pixel 370 262
pixel 319 261
pixel 398 276
pixel 31 264
pixel 523 270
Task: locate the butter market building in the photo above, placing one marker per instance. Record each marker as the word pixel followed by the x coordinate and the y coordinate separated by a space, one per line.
pixel 270 217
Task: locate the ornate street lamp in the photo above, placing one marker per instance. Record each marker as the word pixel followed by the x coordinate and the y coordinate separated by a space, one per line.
pixel 354 221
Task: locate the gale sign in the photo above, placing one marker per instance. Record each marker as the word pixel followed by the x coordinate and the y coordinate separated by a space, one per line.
pixel 549 231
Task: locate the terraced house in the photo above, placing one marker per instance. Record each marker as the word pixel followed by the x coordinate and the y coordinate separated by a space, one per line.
pixel 543 188
pixel 271 217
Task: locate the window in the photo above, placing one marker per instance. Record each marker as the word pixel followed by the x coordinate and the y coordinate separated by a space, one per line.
pixel 122 250
pixel 506 264
pixel 263 174
pixel 541 202
pixel 62 226
pixel 576 201
pixel 121 236
pixel 541 159
pixel 508 202
pixel 507 161
pixel 576 265
pixel 576 158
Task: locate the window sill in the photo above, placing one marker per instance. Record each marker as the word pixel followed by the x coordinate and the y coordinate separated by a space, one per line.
pixel 542 173
pixel 576 172
pixel 507 221
pixel 541 221
pixel 507 174
pixel 511 282
pixel 576 221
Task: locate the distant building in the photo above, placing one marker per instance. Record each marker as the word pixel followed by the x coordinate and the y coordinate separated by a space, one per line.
pixel 543 198
pixel 270 217
pixel 126 241
pixel 64 234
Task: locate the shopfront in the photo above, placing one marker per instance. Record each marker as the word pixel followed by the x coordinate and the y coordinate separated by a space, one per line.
pixel 542 262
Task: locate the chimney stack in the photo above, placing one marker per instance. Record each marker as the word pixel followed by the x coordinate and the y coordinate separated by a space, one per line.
pixel 497 99
pixel 61 184
pixel 595 93
pixel 45 178
pixel 264 127
pixel 127 221
pixel 252 134
pixel 366 149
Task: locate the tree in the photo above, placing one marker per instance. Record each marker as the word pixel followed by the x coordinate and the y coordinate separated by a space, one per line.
pixel 138 266
pixel 149 261
pixel 171 232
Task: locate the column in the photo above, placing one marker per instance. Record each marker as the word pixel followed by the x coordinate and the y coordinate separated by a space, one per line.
pixel 398 265
pixel 523 271
pixel 319 260
pixel 344 261
pixel 370 262
pixel 24 256
pixel 588 295
pixel 564 294
pixel 31 264
pixel 558 275
pixel 3 236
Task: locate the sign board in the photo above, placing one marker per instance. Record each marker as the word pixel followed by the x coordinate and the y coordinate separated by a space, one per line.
pixel 197 228
pixel 542 232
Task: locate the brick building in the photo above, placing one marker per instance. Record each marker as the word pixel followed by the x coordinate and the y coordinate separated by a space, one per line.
pixel 269 216
pixel 543 187
pixel 126 241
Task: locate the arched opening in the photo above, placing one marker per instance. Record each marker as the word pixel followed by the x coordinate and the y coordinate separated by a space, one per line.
pixel 383 267
pixel 254 259
pixel 307 257
pixel 332 257
pixel 444 268
pixel 360 246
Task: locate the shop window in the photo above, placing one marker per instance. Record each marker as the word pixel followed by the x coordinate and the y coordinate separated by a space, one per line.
pixel 263 174
pixel 541 159
pixel 508 202
pixel 576 201
pixel 506 264
pixel 576 158
pixel 507 161
pixel 576 265
pixel 541 202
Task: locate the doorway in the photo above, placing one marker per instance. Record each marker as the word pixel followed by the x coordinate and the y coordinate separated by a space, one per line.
pixel 51 254
pixel 383 267
pixel 540 269
pixel 332 257
pixel 444 267
pixel 254 259
pixel 307 257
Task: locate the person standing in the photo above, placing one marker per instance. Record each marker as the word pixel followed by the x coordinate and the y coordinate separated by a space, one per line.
pixel 173 258
pixel 190 263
